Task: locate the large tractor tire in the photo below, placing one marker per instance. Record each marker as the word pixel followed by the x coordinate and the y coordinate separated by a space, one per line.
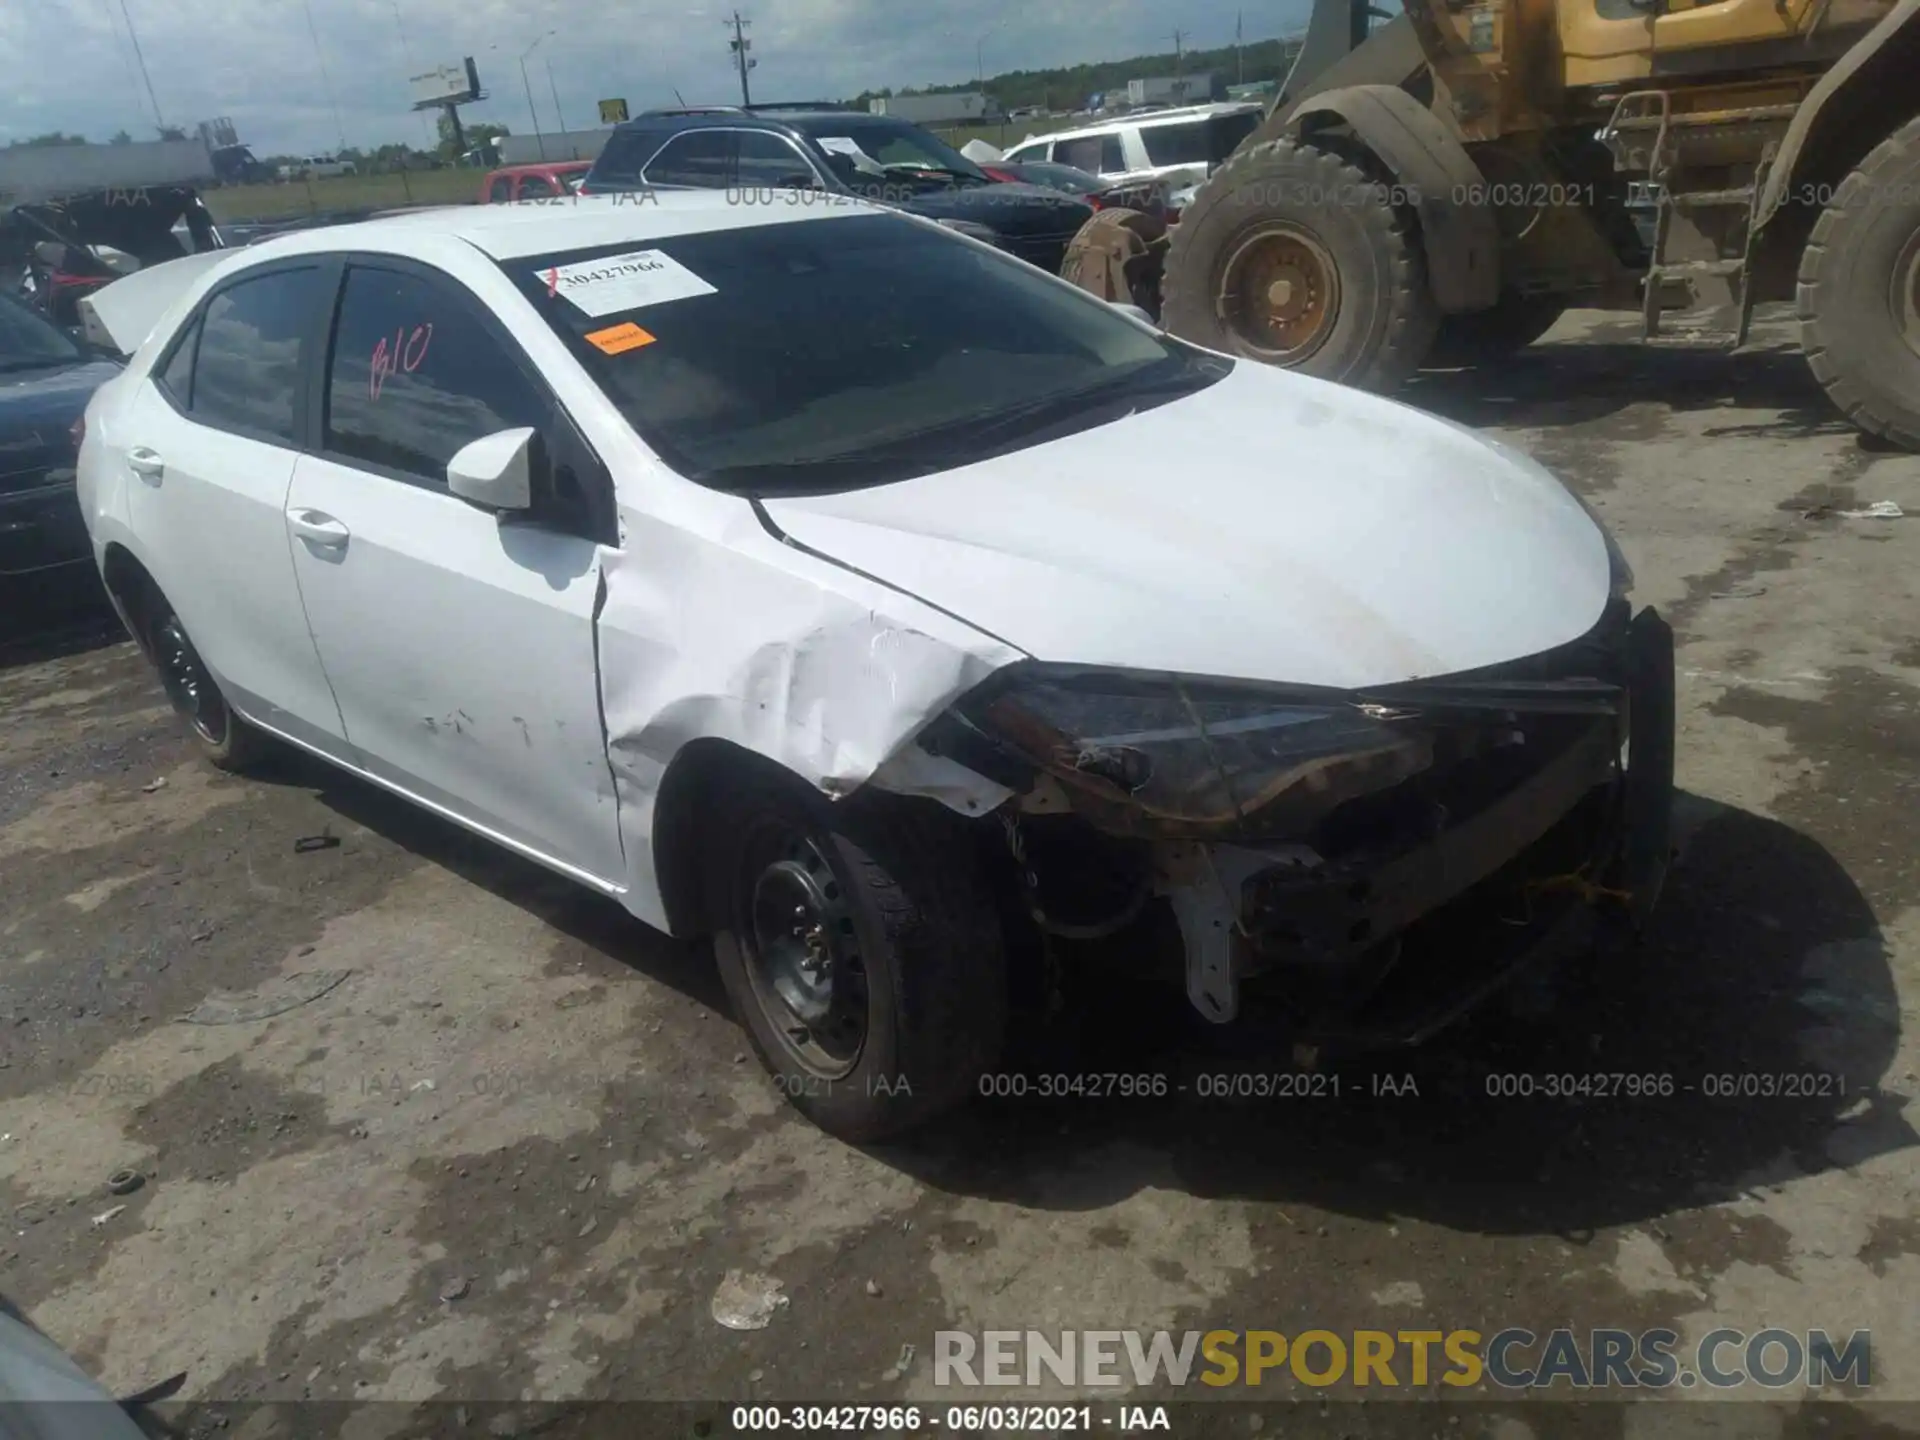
pixel 1484 336
pixel 1119 255
pixel 1859 292
pixel 1293 257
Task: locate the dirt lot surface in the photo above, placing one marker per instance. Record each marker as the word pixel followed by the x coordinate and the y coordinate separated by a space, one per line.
pixel 501 1143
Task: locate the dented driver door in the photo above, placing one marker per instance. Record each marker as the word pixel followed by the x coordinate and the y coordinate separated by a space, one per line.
pixel 458 641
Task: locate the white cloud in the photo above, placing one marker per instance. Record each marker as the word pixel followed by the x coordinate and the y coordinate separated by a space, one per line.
pixel 70 66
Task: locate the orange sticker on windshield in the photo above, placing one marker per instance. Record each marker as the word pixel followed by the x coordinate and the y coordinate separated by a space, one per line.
pixel 617 339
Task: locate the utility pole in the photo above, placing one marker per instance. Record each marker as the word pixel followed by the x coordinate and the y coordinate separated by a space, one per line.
pixel 1179 54
pixel 740 45
pixel 1239 60
pixel 558 119
pixel 539 136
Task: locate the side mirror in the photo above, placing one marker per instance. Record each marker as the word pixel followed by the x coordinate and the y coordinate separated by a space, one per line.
pixel 1135 312
pixel 495 472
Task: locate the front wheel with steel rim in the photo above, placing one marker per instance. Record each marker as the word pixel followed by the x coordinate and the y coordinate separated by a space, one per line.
pixel 860 948
pixel 1292 256
pixel 1859 292
pixel 222 736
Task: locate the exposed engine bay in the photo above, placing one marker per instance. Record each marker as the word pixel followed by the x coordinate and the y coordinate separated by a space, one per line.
pixel 1306 838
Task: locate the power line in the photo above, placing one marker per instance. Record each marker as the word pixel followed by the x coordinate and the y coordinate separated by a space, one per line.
pixel 739 45
pixel 141 57
pixel 326 80
pixel 120 47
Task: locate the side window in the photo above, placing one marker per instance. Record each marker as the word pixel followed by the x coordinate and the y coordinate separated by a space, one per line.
pixel 176 378
pixel 246 373
pixel 501 190
pixel 1098 153
pixel 537 187
pixel 415 375
pixel 767 160
pixel 702 158
pixel 1183 144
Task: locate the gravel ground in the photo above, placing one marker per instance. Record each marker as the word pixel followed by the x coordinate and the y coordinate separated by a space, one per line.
pixel 499 1143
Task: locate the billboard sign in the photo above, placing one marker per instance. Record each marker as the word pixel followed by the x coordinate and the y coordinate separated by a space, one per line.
pixel 613 112
pixel 445 85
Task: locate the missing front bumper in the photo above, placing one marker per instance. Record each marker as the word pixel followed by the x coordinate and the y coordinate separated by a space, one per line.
pixel 1522 878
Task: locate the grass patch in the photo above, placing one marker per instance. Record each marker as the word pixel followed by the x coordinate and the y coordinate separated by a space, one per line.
pixel 232 203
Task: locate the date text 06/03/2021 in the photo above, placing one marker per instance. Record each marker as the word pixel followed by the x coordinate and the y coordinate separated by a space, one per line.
pixel 1010 1419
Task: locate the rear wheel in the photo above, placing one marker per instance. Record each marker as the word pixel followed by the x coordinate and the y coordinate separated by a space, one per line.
pixel 1859 292
pixel 861 949
pixel 226 740
pixel 1293 257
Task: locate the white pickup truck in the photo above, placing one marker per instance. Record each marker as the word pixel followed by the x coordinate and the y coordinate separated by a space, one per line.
pixel 316 167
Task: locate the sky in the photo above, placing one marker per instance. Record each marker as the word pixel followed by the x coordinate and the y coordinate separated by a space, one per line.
pixel 68 64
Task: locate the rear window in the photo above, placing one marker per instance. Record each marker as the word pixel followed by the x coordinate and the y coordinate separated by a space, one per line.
pixel 847 351
pixel 621 160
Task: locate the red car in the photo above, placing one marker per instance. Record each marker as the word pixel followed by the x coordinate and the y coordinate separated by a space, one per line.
pixel 544 181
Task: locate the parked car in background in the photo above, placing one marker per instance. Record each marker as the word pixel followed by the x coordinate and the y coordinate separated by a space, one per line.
pixel 80 242
pixel 543 181
pixel 1148 195
pixel 816 580
pixel 46 378
pixel 317 167
pixel 1179 146
pixel 756 153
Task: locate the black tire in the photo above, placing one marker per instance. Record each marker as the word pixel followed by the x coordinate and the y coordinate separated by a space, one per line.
pixel 223 739
pixel 905 909
pixel 1382 319
pixel 1861 338
pixel 1511 324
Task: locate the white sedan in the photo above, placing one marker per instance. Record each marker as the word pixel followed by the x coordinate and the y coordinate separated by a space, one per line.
pixel 825 582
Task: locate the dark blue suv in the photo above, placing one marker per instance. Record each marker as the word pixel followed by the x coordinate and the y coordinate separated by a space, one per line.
pixel 766 149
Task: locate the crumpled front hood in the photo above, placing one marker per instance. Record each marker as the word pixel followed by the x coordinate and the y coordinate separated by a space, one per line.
pixel 1272 527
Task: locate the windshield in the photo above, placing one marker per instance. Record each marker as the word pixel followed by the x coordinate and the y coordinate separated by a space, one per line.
pixel 30 342
pixel 845 351
pixel 859 146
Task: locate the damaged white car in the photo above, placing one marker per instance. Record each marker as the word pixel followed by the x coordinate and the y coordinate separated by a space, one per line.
pixel 828 583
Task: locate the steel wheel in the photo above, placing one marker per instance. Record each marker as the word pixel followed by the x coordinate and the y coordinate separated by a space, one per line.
pixel 802 953
pixel 188 684
pixel 1280 293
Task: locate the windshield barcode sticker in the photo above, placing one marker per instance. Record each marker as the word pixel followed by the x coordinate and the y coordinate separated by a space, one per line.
pixel 623 282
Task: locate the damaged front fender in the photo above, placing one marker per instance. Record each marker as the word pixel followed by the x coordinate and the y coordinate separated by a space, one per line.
pixel 833 692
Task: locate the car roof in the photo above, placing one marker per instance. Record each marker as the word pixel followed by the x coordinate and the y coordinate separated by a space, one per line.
pixel 505 232
pixel 1141 119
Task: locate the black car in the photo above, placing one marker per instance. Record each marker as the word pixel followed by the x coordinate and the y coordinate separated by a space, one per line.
pixel 54 239
pixel 767 148
pixel 46 378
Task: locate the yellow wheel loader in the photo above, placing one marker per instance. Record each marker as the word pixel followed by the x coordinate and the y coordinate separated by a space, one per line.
pixel 1438 188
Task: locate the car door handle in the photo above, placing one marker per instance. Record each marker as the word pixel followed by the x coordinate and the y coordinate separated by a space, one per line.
pixel 318 527
pixel 145 463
